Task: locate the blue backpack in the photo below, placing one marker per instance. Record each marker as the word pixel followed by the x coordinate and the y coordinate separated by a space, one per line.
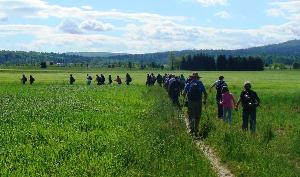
pixel 194 93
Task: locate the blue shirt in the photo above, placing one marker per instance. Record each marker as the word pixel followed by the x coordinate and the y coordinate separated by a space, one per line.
pixel 199 83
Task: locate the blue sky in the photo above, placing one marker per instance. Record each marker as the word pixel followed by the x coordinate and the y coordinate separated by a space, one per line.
pixel 140 26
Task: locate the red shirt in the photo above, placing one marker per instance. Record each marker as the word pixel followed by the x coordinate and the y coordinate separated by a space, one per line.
pixel 227 100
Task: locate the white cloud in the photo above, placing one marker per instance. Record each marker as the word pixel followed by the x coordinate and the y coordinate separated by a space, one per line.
pixel 288 9
pixel 207 3
pixel 137 32
pixel 32 30
pixel 87 7
pixel 92 25
pixel 69 26
pixel 3 17
pixel 223 14
pixel 42 9
pixel 275 12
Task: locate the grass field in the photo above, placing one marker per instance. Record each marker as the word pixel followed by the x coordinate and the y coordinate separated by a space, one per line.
pixel 52 128
pixel 89 131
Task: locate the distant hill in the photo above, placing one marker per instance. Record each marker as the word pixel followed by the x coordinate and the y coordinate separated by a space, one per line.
pixel 94 54
pixel 285 52
pixel 289 48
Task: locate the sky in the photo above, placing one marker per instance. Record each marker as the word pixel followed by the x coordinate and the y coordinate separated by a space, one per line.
pixel 144 26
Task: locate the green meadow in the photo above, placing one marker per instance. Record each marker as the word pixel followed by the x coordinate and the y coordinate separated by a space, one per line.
pixel 54 129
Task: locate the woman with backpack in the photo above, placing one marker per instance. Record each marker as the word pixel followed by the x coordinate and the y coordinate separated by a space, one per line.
pixel 250 101
pixel 228 103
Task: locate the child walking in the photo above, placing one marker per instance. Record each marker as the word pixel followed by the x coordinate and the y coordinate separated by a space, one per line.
pixel 228 102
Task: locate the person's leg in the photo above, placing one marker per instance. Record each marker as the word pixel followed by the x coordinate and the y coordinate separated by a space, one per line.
pixel 220 108
pixel 245 120
pixel 253 120
pixel 229 118
pixel 225 115
pixel 198 109
pixel 191 118
pixel 176 100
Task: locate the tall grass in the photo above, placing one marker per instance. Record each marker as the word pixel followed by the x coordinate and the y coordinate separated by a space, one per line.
pixel 274 149
pixel 93 131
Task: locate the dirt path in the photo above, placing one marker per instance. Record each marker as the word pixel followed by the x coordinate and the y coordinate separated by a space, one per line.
pixel 221 170
pixel 210 154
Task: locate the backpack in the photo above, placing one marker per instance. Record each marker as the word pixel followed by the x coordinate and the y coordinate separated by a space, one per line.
pixel 250 100
pixel 194 93
pixel 174 87
pixel 219 86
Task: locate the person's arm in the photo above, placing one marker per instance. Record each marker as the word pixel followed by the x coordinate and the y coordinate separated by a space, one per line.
pixel 202 87
pixel 257 98
pixel 221 101
pixel 214 84
pixel 185 90
pixel 205 97
pixel 239 102
pixel 233 99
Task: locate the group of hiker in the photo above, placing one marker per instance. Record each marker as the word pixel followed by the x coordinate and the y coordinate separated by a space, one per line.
pixel 24 79
pixel 195 95
pixel 100 79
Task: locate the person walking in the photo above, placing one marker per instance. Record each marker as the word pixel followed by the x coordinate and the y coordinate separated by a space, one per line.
pixel 228 103
pixel 165 77
pixel 31 79
pixel 194 91
pixel 219 85
pixel 110 80
pixel 250 101
pixel 148 80
pixel 89 79
pixel 72 79
pixel 174 90
pixel 24 79
pixel 98 79
pixel 167 81
pixel 118 80
pixel 182 82
pixel 159 79
pixel 153 79
pixel 128 79
pixel 102 79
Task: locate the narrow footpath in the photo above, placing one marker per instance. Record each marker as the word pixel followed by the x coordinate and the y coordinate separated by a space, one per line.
pixel 210 154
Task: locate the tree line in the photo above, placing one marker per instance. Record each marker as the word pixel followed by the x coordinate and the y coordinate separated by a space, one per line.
pixel 203 62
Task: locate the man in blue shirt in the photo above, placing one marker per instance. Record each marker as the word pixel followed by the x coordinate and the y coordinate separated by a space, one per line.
pixel 219 84
pixel 194 90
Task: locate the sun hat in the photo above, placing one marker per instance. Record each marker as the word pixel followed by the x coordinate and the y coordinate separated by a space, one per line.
pixel 247 84
pixel 196 75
